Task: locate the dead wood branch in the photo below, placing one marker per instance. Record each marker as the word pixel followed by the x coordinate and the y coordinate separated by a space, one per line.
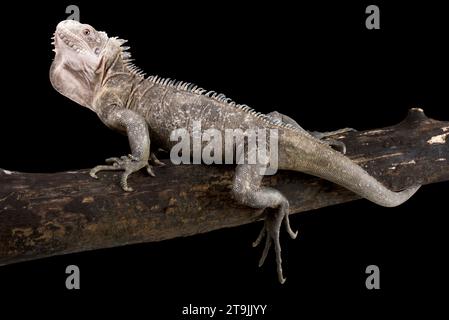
pixel 56 213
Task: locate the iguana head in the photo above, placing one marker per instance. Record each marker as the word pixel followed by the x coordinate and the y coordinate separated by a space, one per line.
pixel 82 56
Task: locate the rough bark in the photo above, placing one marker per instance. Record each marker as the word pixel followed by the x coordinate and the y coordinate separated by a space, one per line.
pixel 57 213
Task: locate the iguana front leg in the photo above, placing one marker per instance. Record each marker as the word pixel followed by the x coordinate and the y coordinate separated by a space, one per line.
pixel 136 128
pixel 247 190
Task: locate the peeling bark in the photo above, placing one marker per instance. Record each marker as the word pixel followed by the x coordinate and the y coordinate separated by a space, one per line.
pixel 57 213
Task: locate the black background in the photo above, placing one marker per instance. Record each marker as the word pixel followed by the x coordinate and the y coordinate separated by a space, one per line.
pixel 315 62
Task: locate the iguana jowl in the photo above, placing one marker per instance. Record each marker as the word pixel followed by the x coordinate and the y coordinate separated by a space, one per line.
pixel 96 71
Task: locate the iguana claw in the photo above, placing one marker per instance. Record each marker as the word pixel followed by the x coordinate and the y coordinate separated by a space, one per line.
pixel 154 160
pixel 150 170
pixel 335 144
pixel 271 232
pixel 129 164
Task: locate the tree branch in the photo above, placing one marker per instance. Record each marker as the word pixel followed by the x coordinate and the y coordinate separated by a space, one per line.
pixel 56 213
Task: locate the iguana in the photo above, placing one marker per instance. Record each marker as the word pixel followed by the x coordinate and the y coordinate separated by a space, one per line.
pixel 96 71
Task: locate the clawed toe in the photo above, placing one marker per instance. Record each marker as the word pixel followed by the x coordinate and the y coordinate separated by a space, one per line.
pixel 291 233
pixel 271 232
pixel 266 249
pixel 150 170
pixel 337 145
pixel 93 173
pixel 129 164
pixel 124 181
pixel 112 160
pixel 155 161
pixel 262 233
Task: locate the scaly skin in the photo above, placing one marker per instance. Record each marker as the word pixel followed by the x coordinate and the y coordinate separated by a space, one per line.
pixel 95 71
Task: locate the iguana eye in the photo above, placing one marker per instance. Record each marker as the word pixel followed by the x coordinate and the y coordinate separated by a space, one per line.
pixel 97 51
pixel 86 32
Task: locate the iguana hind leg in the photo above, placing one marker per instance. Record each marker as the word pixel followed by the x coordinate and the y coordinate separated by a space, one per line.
pixel 247 190
pixel 323 136
pixel 285 119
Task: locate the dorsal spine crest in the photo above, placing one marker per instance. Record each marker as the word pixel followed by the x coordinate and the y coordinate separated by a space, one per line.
pixel 190 87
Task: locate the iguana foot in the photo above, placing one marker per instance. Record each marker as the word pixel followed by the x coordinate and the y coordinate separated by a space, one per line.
pixel 271 232
pixel 129 164
pixel 336 144
pixel 247 190
pixel 322 135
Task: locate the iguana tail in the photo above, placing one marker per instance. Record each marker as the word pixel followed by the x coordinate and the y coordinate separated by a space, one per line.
pixel 322 161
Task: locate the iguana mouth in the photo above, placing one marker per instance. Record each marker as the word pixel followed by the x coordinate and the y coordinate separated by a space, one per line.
pixel 70 39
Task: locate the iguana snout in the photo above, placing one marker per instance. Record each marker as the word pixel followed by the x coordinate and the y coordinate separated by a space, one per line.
pixel 82 39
